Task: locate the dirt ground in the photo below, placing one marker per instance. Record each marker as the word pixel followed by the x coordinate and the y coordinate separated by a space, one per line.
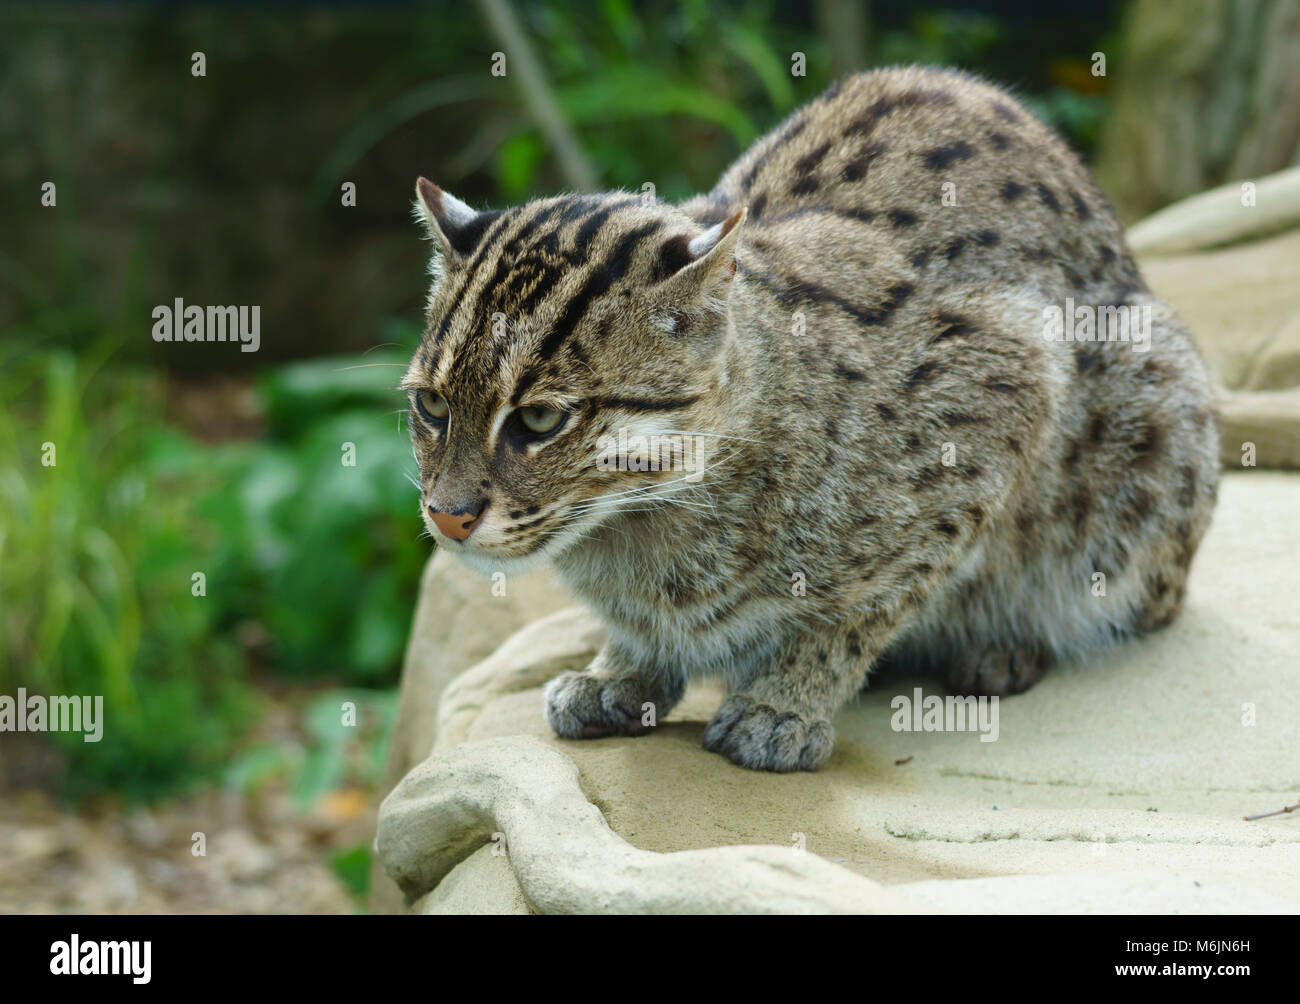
pixel 261 854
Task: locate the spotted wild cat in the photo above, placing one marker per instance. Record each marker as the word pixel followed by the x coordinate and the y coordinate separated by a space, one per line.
pixel 902 462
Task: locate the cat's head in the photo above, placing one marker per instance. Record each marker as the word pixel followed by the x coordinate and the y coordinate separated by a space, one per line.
pixel 553 330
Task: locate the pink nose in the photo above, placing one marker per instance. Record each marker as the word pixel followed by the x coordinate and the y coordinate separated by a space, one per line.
pixel 457 525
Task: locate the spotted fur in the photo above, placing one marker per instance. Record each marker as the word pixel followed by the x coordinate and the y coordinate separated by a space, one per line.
pixel 900 468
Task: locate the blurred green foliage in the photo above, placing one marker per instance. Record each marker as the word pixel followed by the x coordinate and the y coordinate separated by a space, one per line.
pixel 324 555
pixel 97 545
pixel 99 550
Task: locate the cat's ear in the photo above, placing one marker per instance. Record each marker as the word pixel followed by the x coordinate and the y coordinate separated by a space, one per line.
pixel 454 226
pixel 708 263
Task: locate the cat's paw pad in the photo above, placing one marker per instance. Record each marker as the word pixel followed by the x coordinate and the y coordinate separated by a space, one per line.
pixel 583 706
pixel 760 737
pixel 997 673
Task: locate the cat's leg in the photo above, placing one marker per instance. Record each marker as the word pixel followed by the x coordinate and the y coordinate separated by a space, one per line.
pixel 780 720
pixel 614 696
pixel 997 671
pixel 973 666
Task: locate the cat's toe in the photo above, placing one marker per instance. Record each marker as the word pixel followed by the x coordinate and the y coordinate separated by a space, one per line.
pixel 761 737
pixel 997 673
pixel 583 706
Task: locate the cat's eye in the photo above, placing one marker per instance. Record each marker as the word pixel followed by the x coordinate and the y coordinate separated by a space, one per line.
pixel 538 421
pixel 433 407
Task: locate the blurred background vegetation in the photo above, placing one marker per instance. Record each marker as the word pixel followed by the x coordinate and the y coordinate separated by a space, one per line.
pixel 226 188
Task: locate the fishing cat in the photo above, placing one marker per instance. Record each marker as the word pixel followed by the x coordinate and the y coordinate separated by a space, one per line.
pixel 912 446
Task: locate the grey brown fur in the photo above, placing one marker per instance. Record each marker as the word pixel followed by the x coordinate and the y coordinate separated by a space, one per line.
pixel 944 480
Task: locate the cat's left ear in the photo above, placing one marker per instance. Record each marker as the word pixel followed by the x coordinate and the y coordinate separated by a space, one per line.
pixel 454 226
pixel 710 262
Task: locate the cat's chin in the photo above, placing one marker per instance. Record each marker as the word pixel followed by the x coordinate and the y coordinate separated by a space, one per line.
pixel 488 563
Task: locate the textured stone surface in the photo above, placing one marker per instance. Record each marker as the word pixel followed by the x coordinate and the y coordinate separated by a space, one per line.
pixel 1125 779
pixel 1242 303
pixel 458 621
pixel 1218 218
pixel 564 855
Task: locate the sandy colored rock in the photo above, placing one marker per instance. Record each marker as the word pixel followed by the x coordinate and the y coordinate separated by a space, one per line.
pixel 1268 420
pixel 458 621
pixel 1120 784
pixel 1137 894
pixel 1236 301
pixel 566 640
pixel 565 857
pixel 1233 274
pixel 1218 217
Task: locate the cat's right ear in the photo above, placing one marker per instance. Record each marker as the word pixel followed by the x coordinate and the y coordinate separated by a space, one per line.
pixel 710 262
pixel 454 226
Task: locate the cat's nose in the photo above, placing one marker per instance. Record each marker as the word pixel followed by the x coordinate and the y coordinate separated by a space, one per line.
pixel 459 523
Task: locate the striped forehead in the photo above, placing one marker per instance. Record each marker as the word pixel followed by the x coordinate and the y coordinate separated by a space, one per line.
pixel 530 282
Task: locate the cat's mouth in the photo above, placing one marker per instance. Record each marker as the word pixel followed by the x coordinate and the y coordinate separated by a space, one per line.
pixel 493 558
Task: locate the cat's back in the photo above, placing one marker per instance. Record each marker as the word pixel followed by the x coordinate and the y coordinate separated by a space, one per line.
pixel 950 173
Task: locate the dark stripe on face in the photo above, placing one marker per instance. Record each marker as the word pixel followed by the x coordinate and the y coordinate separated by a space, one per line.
pixel 494 232
pixel 592 224
pixel 525 384
pixel 505 260
pixel 546 280
pixel 642 404
pixel 541 275
pixel 507 254
pixel 598 284
pixel 511 249
pixel 471 272
pixel 576 208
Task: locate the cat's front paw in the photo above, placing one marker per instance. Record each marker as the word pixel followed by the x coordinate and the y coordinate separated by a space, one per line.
pixel 761 737
pixel 585 706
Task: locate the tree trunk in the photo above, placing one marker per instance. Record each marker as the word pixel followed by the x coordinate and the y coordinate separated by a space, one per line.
pixel 1207 92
